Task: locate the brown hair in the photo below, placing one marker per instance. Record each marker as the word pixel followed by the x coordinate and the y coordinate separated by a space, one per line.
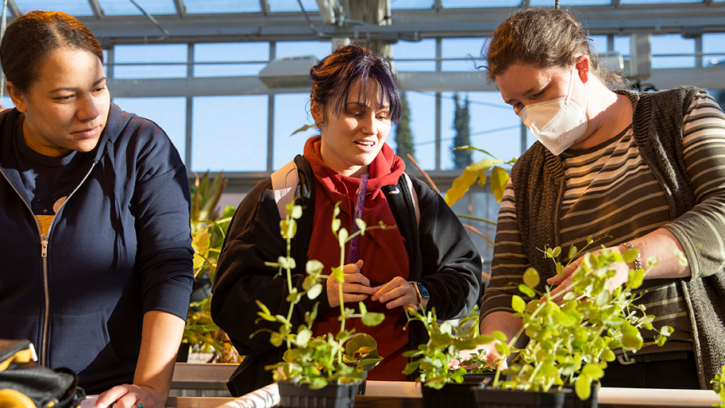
pixel 541 37
pixel 33 36
pixel 335 74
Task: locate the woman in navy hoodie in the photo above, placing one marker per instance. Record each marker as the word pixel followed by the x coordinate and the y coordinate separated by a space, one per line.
pixel 94 213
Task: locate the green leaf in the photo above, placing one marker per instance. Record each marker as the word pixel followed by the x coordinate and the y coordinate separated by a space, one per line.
pixel 336 224
pixel 314 266
pixel 314 291
pixel 318 383
pixel 666 330
pixel 463 182
pixel 565 320
pixel 593 370
pixel 583 387
pixel 608 355
pixel 518 304
pixel 556 252
pixel 342 235
pixel 531 278
pixel 498 335
pixel 526 290
pixel 361 225
pixel 636 278
pixel 303 337
pixel 630 255
pixel 603 298
pixel 360 343
pixel 297 212
pixel 499 179
pixel 631 338
pixel 411 367
pixel 372 319
pixel 651 261
pixel 482 180
pixel 572 252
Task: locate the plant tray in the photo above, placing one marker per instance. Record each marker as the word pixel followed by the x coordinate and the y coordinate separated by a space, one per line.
pixel 451 395
pixel 332 396
pixel 572 401
pixel 488 398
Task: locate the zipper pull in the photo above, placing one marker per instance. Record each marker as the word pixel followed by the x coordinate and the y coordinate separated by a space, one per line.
pixel 44 248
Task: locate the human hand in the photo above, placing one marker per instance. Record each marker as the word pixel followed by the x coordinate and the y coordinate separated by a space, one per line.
pixel 397 292
pixel 131 396
pixel 356 287
pixel 491 356
pixel 563 282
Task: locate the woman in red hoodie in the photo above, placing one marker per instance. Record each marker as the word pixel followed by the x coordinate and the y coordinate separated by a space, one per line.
pixel 427 261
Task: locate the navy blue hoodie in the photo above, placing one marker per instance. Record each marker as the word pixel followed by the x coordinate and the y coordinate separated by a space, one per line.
pixel 120 246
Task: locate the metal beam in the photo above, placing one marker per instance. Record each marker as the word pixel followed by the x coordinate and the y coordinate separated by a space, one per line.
pixel 97 10
pixel 180 8
pixel 712 77
pixel 13 8
pixel 264 6
pixel 444 23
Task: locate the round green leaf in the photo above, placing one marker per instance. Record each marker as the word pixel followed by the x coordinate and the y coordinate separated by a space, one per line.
pixel 531 278
pixel 518 304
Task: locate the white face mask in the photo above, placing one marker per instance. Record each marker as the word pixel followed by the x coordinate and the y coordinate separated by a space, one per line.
pixel 557 123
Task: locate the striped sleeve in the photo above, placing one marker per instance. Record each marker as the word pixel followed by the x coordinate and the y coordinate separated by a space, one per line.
pixel 701 230
pixel 509 261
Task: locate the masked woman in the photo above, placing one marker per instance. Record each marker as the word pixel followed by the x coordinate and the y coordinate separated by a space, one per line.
pixel 94 213
pixel 638 170
pixel 428 260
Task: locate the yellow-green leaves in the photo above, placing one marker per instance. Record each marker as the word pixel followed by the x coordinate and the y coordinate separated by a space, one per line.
pixel 470 175
pixel 518 304
pixel 499 179
pixel 531 278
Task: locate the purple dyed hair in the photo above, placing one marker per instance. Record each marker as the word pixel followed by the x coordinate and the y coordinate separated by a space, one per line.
pixel 335 74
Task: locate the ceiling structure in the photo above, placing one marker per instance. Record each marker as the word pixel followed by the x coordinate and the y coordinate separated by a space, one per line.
pixel 121 22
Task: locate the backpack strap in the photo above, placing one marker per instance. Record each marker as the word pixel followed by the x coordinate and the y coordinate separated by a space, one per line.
pixel 413 197
pixel 284 186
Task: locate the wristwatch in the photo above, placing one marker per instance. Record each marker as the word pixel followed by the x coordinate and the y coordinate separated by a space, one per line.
pixel 422 292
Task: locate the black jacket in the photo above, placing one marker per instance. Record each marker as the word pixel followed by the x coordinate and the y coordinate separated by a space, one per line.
pixel 441 255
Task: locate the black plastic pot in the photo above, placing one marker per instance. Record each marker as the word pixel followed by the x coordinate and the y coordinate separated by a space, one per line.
pixel 456 395
pixel 572 401
pixel 332 396
pixel 488 398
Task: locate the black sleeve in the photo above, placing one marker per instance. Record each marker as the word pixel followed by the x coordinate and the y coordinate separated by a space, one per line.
pixel 242 277
pixel 451 264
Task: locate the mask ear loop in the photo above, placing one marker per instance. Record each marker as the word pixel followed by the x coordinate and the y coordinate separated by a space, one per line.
pixel 568 93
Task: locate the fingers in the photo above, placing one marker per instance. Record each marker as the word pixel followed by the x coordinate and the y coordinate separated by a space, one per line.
pixel 353 268
pixel 109 397
pixel 125 396
pixel 396 293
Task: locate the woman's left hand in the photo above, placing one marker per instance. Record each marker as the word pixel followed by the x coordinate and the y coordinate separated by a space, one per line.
pixel 397 292
pixel 564 280
pixel 130 396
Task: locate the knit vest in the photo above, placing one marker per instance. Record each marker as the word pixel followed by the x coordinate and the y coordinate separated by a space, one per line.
pixel 658 121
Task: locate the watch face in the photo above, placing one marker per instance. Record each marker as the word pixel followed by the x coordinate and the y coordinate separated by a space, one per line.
pixel 423 291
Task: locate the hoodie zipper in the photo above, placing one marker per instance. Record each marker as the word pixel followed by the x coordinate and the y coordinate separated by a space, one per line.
pixel 44 243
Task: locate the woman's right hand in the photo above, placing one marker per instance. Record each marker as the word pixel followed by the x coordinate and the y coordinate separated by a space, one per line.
pixel 355 289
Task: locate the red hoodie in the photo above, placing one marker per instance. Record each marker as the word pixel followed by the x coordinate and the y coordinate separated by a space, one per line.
pixel 382 251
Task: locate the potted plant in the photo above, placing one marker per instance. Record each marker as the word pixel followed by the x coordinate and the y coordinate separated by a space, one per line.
pixel 718 385
pixel 442 384
pixel 201 334
pixel 322 371
pixel 572 336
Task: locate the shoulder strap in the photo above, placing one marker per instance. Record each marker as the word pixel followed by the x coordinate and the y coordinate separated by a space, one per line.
pixel 413 197
pixel 284 186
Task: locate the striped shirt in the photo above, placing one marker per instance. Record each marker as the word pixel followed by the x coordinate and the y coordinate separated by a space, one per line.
pixel 609 190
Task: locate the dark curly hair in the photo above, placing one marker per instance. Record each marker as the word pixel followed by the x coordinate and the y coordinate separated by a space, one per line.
pixel 334 75
pixel 33 36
